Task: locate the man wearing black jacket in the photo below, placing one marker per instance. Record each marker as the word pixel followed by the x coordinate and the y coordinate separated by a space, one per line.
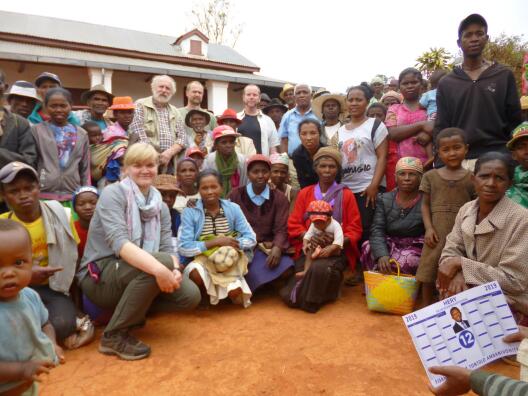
pixel 478 96
pixel 16 140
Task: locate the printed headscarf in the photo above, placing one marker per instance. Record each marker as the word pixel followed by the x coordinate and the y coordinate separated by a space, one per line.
pixel 409 163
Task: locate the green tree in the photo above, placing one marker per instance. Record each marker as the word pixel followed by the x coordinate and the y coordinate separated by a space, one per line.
pixel 508 50
pixel 434 59
pixel 214 18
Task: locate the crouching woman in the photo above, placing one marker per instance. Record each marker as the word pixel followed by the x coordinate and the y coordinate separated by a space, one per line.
pixel 127 264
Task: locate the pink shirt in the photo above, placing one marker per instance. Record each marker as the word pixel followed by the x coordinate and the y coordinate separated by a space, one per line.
pixel 113 131
pixel 398 115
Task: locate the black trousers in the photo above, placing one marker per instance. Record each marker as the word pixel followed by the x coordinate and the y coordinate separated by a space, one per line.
pixel 61 309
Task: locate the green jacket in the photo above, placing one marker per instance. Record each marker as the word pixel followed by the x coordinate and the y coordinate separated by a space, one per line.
pixel 150 123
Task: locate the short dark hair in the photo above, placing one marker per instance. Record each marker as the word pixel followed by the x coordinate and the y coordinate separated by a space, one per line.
pixel 207 173
pixel 90 124
pixel 410 70
pixel 186 159
pixel 58 91
pixel 454 309
pixel 496 156
pixel 472 19
pixel 363 87
pixel 378 105
pixel 311 121
pixel 437 76
pixel 450 132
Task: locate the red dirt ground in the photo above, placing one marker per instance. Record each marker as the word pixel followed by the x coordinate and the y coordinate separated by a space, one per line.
pixel 267 349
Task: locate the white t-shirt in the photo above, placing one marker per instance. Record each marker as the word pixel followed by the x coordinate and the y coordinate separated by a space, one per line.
pixel 359 154
pixel 333 228
pixel 331 130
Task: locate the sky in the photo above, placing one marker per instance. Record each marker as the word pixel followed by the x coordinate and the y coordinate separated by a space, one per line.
pixel 331 43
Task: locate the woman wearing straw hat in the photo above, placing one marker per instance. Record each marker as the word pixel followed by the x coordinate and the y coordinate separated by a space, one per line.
pixel 329 107
pixel 287 95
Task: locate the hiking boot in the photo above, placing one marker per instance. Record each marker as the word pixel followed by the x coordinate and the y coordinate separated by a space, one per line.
pixel 83 335
pixel 124 345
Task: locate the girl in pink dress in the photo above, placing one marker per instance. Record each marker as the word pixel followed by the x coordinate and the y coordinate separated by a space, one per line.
pixel 409 130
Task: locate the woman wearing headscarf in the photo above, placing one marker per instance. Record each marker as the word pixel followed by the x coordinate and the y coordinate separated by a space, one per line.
pixel 279 176
pixel 322 282
pixel 397 229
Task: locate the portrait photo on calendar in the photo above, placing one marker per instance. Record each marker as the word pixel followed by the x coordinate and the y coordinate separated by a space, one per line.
pixel 460 324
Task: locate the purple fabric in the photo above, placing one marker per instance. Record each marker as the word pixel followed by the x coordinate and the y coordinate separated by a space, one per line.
pixel 405 250
pixel 259 273
pixel 100 316
pixel 334 196
pixel 319 195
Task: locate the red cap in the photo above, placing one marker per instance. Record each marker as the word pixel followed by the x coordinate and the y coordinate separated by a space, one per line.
pixel 194 150
pixel 258 158
pixel 229 114
pixel 319 210
pixel 223 131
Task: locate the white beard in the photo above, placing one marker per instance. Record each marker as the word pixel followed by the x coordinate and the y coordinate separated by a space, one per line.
pixel 161 99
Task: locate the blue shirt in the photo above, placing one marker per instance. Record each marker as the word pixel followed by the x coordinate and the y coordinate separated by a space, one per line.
pixel 289 127
pixel 21 335
pixel 260 198
pixel 428 102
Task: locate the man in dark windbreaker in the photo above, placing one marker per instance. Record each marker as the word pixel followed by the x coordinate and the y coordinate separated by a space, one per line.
pixel 479 95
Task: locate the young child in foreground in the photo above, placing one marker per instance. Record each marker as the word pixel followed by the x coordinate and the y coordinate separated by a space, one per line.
pixel 445 191
pixel 28 341
pixel 320 213
pixel 518 145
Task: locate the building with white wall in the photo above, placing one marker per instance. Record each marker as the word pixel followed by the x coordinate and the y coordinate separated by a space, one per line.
pixel 85 54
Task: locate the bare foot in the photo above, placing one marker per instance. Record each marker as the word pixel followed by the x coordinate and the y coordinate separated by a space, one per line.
pixel 235 296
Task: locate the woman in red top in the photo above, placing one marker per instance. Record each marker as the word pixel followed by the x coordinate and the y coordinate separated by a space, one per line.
pixel 322 281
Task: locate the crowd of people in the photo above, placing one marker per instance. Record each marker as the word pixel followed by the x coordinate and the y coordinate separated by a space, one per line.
pixel 130 207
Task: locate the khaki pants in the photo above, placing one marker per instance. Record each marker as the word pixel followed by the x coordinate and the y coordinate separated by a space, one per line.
pixel 132 292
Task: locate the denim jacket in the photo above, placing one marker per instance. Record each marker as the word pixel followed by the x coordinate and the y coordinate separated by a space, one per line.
pixel 192 223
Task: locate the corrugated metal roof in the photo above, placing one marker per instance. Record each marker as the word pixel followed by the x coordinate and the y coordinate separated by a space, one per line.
pixel 108 36
pixel 42 54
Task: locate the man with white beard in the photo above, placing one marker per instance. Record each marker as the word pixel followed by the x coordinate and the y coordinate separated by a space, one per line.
pixel 159 123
